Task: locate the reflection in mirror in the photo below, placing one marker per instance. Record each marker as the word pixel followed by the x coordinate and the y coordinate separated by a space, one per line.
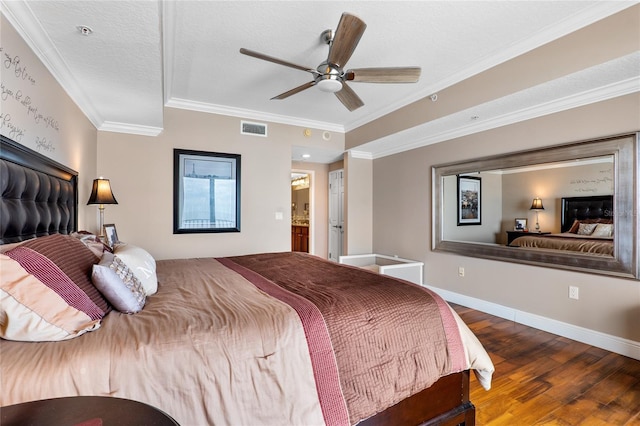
pixel 507 195
pixel 570 207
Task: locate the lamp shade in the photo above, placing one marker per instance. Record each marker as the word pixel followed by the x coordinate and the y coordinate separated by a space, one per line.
pixel 537 204
pixel 101 193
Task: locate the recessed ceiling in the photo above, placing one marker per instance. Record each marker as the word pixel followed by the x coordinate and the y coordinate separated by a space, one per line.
pixel 143 55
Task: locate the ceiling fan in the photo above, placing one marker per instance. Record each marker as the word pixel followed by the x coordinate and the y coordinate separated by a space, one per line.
pixel 330 75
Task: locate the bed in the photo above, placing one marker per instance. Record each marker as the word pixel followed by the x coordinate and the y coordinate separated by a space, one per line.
pixel 586 227
pixel 270 338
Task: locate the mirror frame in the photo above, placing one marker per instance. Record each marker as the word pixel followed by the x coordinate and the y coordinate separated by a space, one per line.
pixel 624 263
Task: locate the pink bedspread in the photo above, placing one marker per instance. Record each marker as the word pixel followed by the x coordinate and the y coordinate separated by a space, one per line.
pixel 390 339
pixel 264 339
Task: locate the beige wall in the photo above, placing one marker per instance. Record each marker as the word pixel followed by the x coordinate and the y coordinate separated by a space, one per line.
pixel 62 133
pixel 141 173
pixel 358 205
pixel 608 305
pixel 402 219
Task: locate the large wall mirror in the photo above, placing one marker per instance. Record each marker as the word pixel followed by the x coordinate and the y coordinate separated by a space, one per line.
pixel 571 207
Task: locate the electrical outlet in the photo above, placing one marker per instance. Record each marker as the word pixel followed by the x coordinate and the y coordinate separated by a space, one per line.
pixel 461 271
pixel 574 292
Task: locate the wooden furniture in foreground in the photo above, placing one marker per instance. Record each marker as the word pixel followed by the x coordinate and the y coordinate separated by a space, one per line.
pixel 445 403
pixel 86 411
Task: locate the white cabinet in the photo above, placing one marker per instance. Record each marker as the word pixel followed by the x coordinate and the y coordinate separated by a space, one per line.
pixel 397 267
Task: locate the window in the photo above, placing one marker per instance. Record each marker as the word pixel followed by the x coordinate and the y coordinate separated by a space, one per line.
pixel 206 192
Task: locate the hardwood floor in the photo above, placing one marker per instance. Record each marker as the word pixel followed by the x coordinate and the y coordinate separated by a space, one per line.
pixel 545 379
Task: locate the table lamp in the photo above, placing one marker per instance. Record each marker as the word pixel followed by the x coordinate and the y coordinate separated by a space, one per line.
pixel 537 206
pixel 101 194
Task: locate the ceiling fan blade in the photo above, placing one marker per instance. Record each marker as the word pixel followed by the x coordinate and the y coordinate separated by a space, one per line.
pixel 295 90
pixel 384 75
pixel 350 29
pixel 349 98
pixel 274 60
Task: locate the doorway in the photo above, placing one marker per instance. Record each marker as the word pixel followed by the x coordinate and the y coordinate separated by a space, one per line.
pixel 302 205
pixel 336 214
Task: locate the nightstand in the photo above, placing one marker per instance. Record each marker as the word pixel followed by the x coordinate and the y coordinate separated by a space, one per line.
pixel 512 235
pixel 85 410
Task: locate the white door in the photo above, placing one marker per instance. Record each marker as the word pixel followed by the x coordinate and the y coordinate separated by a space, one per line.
pixel 336 214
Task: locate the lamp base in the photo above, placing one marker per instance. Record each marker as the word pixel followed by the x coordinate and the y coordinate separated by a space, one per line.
pixel 101 229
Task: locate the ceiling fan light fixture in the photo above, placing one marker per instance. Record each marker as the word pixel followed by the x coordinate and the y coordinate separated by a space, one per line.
pixel 330 76
pixel 330 85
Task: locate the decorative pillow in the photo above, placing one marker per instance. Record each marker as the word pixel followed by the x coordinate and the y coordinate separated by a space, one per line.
pixel 141 263
pixel 118 284
pixel 586 228
pixel 574 227
pixel 43 307
pixel 74 259
pixel 576 223
pixel 603 230
pixel 92 242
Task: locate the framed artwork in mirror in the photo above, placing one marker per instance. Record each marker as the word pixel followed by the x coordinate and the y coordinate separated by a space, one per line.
pixel 111 234
pixel 520 225
pixel 206 192
pixel 469 200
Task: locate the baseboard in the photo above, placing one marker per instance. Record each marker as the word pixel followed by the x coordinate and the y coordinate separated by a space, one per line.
pixel 605 341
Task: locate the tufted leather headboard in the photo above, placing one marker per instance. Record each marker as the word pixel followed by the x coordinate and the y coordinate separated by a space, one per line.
pixel 38 196
pixel 580 208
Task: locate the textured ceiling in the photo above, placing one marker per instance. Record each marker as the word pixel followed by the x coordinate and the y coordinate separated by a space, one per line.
pixel 143 55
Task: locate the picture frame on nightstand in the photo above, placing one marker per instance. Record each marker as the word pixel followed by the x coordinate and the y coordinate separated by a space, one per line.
pixel 111 234
pixel 520 224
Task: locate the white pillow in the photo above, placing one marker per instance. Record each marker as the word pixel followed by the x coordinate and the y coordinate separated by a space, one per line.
pixel 586 228
pixel 141 263
pixel 118 284
pixel 603 230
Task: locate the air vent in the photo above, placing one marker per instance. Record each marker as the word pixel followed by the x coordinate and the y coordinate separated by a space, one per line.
pixel 255 129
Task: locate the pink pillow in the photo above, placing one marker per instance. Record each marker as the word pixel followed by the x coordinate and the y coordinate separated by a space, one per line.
pixel 74 259
pixel 41 306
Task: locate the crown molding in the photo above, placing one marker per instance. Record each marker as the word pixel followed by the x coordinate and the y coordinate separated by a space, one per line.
pixel 134 129
pixel 251 114
pixel 405 140
pixel 20 15
pixel 592 14
pixel 354 153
